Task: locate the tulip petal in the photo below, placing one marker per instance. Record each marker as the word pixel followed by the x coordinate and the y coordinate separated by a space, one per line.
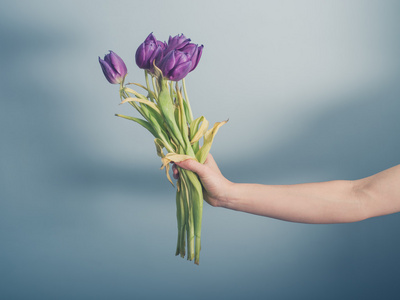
pixel 108 71
pixel 181 57
pixel 163 45
pixel 156 56
pixel 117 63
pixel 177 42
pixel 196 58
pixel 140 57
pixel 151 49
pixel 167 63
pixel 107 59
pixel 189 49
pixel 150 38
pixel 180 71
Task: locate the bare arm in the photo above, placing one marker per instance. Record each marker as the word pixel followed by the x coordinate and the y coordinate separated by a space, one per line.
pixel 321 202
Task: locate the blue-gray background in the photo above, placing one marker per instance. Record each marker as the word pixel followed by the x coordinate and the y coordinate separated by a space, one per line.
pixel 311 91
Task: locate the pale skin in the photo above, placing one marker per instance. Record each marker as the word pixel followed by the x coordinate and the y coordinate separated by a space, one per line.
pixel 339 201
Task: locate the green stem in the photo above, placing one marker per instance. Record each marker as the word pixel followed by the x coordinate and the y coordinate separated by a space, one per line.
pixel 171 90
pixel 196 202
pixel 151 93
pixel 187 99
pixel 180 216
pixel 190 230
pixel 146 76
pixel 153 80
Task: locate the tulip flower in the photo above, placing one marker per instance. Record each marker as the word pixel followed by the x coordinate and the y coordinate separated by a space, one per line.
pixel 151 49
pixel 113 67
pixel 175 65
pixel 176 43
pixel 194 52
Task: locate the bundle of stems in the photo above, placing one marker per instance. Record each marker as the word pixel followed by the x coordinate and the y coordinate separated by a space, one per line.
pixel 167 115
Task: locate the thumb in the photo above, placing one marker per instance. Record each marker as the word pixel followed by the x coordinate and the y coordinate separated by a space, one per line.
pixel 194 166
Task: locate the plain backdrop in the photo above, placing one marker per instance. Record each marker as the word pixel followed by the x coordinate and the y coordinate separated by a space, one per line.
pixel 311 90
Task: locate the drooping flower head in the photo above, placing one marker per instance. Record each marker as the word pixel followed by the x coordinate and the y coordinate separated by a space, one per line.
pixel 151 49
pixel 113 67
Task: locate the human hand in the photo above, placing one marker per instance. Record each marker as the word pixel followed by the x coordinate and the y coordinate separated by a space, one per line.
pixel 215 185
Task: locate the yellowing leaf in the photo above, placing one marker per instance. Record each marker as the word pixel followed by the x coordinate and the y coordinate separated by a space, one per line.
pixel 159 147
pixel 208 139
pixel 147 102
pixel 167 173
pixel 173 157
pixel 200 131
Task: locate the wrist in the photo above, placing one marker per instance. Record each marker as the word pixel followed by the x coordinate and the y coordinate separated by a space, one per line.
pixel 227 199
pixel 241 197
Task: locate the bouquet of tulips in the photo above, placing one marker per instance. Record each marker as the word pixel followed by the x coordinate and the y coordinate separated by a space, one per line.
pixel 167 115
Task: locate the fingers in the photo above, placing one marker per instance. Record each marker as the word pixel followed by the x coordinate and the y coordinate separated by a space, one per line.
pixel 198 168
pixel 175 172
pixel 210 162
pixel 193 166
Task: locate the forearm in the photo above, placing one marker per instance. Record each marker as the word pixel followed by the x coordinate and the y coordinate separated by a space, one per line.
pixel 338 201
pixel 323 202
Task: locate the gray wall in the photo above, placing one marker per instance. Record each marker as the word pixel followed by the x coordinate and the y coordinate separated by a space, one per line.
pixel 311 91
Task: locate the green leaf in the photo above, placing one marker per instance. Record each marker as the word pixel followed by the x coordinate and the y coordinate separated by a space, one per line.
pixel 187 111
pixel 167 108
pixel 144 101
pixel 144 123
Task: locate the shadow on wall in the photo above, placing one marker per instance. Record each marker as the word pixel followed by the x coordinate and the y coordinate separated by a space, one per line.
pixel 349 141
pixel 29 114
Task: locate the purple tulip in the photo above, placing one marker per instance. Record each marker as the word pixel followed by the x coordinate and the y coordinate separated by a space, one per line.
pixel 194 52
pixel 176 58
pixel 176 43
pixel 175 65
pixel 113 67
pixel 151 49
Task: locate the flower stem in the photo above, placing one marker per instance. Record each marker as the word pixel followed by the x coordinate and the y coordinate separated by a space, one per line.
pixel 147 80
pixel 187 99
pixel 155 86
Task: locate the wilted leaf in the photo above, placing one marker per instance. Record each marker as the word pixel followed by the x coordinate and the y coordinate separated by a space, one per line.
pixel 208 139
pixel 147 102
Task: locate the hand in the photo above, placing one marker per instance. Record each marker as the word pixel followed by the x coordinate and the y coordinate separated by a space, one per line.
pixel 215 185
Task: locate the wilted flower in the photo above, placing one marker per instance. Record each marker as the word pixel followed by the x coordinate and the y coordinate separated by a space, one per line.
pixel 175 65
pixel 151 49
pixel 113 67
